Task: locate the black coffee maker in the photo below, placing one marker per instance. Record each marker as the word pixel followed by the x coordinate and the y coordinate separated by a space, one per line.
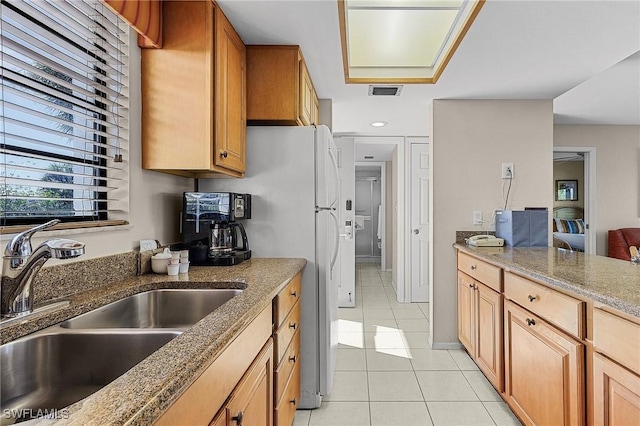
pixel 210 229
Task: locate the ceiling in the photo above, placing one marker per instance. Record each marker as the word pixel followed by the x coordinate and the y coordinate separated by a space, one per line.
pixel 571 51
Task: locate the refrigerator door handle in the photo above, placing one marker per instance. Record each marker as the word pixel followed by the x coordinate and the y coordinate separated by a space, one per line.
pixel 336 178
pixel 336 247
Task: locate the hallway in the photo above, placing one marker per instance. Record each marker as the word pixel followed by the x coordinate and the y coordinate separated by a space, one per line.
pixel 387 375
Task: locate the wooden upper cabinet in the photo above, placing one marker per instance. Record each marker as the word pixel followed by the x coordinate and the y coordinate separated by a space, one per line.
pixel 194 94
pixel 279 87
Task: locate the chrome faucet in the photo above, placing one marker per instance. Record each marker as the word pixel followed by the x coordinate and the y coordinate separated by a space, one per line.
pixel 21 263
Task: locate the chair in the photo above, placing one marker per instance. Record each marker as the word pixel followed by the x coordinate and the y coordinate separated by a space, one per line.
pixel 620 240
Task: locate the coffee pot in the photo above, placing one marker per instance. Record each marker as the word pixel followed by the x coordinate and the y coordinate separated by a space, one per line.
pixel 223 238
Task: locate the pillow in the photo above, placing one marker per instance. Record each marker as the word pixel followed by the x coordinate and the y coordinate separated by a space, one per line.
pixel 570 226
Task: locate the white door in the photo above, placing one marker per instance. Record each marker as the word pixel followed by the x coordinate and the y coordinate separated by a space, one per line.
pixel 419 222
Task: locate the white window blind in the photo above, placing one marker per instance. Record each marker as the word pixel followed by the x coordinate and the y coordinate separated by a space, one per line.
pixel 64 104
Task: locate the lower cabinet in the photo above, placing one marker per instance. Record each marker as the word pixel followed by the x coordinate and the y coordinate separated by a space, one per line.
pixel 480 326
pixel 251 402
pixel 544 370
pixel 286 389
pixel 616 369
pixel 255 381
pixel 237 387
pixel 616 394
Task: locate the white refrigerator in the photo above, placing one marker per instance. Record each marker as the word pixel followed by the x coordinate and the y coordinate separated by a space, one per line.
pixel 292 176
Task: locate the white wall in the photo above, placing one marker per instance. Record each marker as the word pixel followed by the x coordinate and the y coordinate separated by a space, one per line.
pixel 469 141
pixel 155 199
pixel 617 173
pixel 388 215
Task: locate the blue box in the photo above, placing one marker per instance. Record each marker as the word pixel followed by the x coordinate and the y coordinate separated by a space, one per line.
pixel 523 228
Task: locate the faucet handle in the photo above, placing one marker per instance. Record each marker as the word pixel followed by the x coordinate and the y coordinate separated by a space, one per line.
pixel 20 245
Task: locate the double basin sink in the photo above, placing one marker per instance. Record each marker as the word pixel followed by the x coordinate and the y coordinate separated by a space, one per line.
pixel 64 363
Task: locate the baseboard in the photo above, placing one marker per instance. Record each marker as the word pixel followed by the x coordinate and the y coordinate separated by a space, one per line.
pixel 440 346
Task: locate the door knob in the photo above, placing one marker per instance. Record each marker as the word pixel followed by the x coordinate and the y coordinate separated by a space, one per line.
pixel 238 418
pixel 416 231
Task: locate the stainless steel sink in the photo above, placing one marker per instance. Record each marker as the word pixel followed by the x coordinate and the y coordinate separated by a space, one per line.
pixel 67 362
pixel 51 370
pixel 155 309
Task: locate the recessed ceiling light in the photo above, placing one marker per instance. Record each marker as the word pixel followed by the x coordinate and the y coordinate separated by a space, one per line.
pixel 379 123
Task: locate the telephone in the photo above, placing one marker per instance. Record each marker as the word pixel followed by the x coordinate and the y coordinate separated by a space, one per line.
pixel 485 241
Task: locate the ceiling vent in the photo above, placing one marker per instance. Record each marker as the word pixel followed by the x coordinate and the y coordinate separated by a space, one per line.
pixel 377 90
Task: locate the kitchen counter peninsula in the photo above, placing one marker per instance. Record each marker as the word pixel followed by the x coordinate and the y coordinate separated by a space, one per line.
pixel 612 282
pixel 529 317
pixel 144 393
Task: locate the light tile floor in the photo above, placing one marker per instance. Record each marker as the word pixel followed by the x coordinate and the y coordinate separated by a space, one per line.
pixel 386 374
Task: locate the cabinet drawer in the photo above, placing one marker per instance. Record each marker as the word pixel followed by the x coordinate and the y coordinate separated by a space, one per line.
pixel 283 371
pixel 284 334
pixel 286 409
pixel 285 300
pixel 487 274
pixel 617 338
pixel 564 311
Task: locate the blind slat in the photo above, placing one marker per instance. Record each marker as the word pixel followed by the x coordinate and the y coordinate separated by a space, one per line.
pixel 72 76
pixel 35 127
pixel 21 37
pixel 67 31
pixel 25 182
pixel 8 73
pixel 11 168
pixel 73 162
pixel 76 125
pixel 51 103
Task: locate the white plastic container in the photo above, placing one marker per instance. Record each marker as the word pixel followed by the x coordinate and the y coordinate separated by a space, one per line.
pixel 173 269
pixel 184 267
pixel 160 261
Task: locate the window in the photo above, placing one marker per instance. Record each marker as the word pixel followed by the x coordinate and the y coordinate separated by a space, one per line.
pixel 64 118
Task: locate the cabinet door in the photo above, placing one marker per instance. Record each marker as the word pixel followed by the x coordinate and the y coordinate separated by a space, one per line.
pixel 616 394
pixel 230 97
pixel 544 370
pixel 252 401
pixel 489 334
pixel 306 96
pixel 466 312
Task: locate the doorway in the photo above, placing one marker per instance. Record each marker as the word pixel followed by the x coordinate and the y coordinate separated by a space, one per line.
pixel 370 214
pixel 574 176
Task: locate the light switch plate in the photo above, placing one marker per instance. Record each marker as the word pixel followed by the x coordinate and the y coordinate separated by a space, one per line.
pixel 477 217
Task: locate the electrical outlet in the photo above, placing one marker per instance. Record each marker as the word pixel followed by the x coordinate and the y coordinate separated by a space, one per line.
pixel 477 217
pixel 507 171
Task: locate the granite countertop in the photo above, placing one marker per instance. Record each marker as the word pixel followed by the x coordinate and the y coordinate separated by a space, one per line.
pixel 613 282
pixel 142 394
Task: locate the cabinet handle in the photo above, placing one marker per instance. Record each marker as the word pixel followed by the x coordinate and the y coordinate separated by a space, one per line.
pixel 471 286
pixel 531 298
pixel 473 267
pixel 294 293
pixel 531 322
pixel 293 325
pixel 293 401
pixel 238 418
pixel 292 358
pixel 223 154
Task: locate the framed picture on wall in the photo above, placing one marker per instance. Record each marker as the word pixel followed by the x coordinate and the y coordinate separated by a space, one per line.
pixel 566 190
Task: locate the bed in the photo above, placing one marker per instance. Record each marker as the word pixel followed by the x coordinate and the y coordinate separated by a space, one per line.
pixel 568 227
